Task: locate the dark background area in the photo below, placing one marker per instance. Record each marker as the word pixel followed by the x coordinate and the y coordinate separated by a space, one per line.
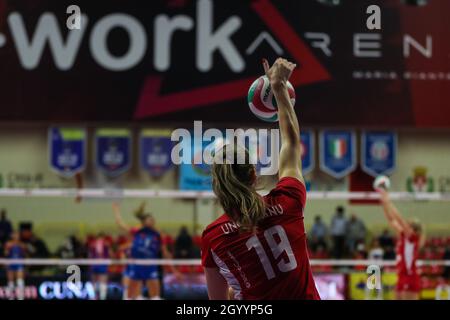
pixel 89 93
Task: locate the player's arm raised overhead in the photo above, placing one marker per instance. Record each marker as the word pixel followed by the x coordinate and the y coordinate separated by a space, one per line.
pixel 393 216
pixel 118 217
pixel 290 153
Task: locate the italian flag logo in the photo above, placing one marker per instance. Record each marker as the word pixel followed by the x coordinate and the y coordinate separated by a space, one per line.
pixel 338 148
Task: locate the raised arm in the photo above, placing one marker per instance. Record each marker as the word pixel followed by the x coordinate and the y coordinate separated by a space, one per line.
pixel 118 218
pixel 393 215
pixel 290 153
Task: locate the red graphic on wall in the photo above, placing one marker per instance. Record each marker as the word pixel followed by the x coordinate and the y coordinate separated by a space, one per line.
pixel 151 103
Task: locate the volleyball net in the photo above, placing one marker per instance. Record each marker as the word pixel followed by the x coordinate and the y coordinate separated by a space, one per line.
pixel 57 216
pixel 197 262
pixel 180 194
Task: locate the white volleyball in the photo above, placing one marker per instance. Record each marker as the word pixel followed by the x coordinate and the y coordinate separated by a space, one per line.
pixel 382 182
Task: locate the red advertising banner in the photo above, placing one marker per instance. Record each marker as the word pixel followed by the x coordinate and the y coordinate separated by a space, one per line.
pixel 188 60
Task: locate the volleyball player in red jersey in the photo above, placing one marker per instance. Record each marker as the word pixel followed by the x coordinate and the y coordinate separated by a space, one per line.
pixel 100 248
pixel 410 239
pixel 258 247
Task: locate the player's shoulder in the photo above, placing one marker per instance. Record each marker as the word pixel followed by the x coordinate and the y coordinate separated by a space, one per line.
pixel 413 237
pixel 155 233
pixel 145 232
pixel 289 182
pixel 288 186
pixel 215 224
pixel 134 230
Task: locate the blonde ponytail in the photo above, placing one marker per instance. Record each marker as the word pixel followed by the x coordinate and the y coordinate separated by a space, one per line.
pixel 233 185
pixel 139 213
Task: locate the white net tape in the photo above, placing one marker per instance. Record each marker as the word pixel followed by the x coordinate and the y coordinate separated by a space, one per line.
pixel 139 193
pixel 197 262
pixel 179 194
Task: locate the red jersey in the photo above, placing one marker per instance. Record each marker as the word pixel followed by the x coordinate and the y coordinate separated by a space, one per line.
pixel 99 249
pixel 271 263
pixel 407 254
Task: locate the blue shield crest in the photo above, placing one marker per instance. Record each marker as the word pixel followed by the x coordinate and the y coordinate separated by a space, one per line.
pixel 67 150
pixel 113 151
pixel 378 152
pixel 155 152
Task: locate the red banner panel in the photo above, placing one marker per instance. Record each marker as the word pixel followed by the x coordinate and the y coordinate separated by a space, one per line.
pixel 195 60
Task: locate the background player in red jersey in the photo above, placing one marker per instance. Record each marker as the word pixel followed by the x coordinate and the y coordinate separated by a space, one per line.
pixel 258 247
pixel 410 239
pixel 100 248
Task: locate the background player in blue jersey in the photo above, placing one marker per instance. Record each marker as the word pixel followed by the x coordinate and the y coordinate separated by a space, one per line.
pixel 15 249
pixel 146 244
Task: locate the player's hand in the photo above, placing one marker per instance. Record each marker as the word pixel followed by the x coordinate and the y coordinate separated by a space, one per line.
pixel 279 73
pixel 384 194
